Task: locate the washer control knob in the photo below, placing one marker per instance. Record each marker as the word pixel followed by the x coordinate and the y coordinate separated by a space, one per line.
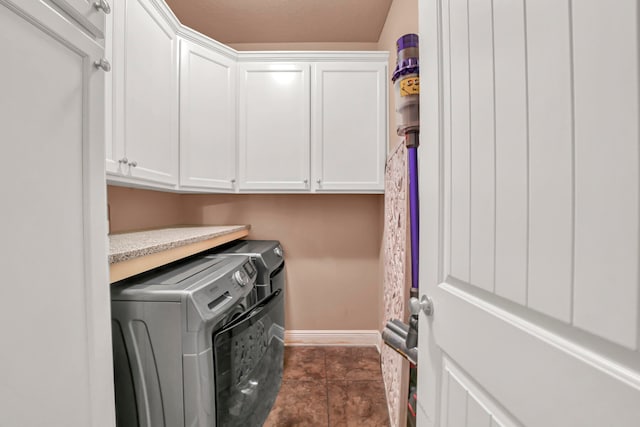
pixel 278 251
pixel 241 278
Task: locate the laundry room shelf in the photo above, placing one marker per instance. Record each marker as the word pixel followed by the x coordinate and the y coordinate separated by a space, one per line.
pixel 134 253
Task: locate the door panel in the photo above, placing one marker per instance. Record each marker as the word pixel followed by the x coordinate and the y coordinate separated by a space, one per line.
pixel 207 119
pixel 530 174
pixel 56 363
pixel 550 158
pixel 606 169
pixel 511 149
pixel 114 147
pixel 541 373
pixel 62 127
pixel 150 98
pixel 455 403
pixel 477 415
pixel 482 202
pixel 466 404
pixel 274 138
pixel 349 126
pixel 460 147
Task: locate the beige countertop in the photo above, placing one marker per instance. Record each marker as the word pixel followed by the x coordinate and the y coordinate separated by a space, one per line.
pixel 133 253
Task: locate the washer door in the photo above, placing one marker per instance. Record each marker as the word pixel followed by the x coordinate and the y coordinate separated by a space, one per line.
pixel 248 362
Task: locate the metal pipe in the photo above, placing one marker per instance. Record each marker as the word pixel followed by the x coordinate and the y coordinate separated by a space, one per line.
pixel 398 328
pixel 400 324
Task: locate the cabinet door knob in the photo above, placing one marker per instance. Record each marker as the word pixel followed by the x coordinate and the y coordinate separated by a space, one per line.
pixel 319 181
pixel 102 63
pixel 306 181
pixel 232 180
pixel 133 164
pixel 123 160
pixel 102 5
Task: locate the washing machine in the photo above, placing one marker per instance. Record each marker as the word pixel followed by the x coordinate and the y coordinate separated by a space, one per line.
pixel 193 347
pixel 268 257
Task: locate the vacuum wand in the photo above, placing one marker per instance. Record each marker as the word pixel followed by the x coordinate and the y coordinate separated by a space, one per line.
pixel 396 337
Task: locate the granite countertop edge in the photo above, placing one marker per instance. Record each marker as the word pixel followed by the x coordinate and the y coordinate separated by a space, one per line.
pixel 126 246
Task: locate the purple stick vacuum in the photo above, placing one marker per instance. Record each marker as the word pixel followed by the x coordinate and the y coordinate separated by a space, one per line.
pixel 399 336
pixel 406 81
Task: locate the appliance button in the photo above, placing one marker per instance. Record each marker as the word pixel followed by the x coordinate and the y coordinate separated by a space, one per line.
pixel 241 278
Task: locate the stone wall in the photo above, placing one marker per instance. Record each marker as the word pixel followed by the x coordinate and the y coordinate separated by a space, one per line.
pixel 394 367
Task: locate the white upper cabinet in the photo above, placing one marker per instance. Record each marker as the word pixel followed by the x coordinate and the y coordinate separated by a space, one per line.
pixel 207 118
pixel 185 112
pixel 274 132
pixel 145 109
pixel 349 136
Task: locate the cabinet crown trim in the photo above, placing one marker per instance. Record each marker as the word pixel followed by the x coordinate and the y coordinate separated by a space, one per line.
pixel 311 56
pixel 193 36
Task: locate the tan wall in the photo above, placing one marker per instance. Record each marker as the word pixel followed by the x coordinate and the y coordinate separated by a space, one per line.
pixel 133 209
pixel 402 19
pixel 332 244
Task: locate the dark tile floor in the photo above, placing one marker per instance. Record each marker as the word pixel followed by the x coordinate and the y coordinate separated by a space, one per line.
pixel 330 386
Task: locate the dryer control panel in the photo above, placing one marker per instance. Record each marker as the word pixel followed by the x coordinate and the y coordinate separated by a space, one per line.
pixel 243 276
pixel 249 268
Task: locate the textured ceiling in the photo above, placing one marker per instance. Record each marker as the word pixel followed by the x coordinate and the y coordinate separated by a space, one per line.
pixel 284 21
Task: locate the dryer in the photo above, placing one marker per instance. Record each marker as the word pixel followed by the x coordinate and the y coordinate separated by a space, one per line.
pixel 192 347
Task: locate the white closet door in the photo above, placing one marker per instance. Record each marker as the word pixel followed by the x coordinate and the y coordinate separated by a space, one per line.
pixel 530 213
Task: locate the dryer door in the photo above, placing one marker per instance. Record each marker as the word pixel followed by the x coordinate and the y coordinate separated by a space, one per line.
pixel 248 361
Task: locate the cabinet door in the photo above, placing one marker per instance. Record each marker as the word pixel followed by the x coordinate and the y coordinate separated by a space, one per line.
pixel 88 13
pixel 274 126
pixel 349 126
pixel 145 91
pixel 207 119
pixel 114 147
pixel 55 322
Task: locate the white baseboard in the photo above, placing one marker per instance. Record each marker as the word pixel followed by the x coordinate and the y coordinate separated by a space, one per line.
pixel 334 338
